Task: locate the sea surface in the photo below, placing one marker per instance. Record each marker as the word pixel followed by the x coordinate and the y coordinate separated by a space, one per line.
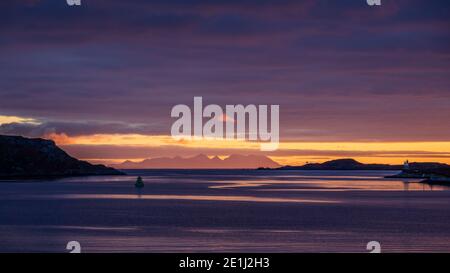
pixel 225 211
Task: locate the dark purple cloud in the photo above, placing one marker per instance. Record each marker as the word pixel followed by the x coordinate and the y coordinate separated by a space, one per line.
pixel 79 128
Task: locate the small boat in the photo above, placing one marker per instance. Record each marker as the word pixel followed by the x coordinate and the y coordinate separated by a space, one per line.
pixel 139 183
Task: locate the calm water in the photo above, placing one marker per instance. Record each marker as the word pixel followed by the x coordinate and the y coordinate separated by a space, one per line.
pixel 225 211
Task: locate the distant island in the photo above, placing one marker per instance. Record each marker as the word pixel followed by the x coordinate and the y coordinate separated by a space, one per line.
pixel 202 162
pixel 26 158
pixel 431 172
pixel 348 164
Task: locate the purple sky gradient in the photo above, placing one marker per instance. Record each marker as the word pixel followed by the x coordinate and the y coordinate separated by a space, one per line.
pixel 340 70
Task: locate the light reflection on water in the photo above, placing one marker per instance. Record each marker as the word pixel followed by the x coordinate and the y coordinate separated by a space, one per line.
pixel 272 181
pixel 226 211
pixel 330 185
pixel 235 198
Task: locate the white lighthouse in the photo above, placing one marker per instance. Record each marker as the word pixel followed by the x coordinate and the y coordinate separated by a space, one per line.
pixel 406 165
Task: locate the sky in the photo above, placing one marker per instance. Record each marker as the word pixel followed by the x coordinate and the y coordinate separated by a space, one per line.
pixel 371 83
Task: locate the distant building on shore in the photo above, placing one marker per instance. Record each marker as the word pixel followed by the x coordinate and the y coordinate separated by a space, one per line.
pixel 406 165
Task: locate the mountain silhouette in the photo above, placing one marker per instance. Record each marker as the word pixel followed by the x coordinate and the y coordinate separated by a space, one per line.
pixel 202 161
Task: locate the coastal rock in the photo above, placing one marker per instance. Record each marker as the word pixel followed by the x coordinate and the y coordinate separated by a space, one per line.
pixel 25 157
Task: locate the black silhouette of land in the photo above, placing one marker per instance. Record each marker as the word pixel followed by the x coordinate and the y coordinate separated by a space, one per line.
pixel 349 164
pixel 28 158
pixel 431 172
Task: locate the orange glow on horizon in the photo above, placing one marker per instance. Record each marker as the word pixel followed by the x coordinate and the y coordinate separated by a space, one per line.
pixel 385 152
